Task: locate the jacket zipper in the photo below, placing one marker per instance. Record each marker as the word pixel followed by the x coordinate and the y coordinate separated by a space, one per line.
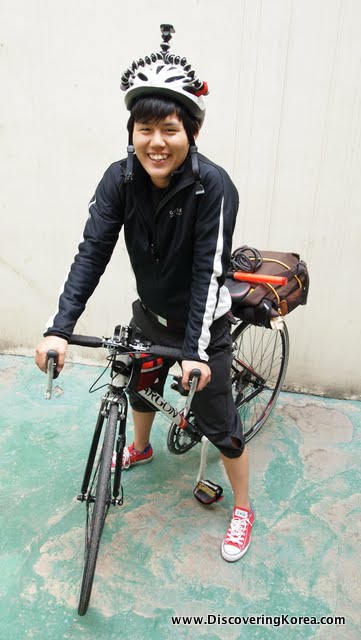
pixel 154 244
pixel 154 252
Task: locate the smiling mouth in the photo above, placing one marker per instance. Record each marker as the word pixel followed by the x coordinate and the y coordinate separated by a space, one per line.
pixel 158 157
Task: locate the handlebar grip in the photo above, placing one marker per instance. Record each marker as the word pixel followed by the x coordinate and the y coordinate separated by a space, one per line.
pixel 51 354
pixel 86 341
pixel 195 373
pixel 165 352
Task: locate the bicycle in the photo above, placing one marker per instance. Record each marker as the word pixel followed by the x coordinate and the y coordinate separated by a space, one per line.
pixel 100 488
pixel 259 366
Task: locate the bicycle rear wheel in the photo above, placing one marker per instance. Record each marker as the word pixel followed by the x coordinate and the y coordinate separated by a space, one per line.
pixel 260 358
pixel 98 501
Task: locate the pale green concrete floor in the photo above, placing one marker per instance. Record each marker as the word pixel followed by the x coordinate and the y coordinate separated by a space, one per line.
pixel 160 551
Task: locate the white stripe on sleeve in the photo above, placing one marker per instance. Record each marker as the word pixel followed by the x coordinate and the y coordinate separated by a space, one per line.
pixel 211 303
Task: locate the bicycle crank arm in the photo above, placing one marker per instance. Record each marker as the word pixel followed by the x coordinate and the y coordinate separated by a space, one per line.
pixel 194 377
pixel 205 491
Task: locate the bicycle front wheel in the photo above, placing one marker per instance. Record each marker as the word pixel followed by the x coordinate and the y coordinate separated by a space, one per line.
pixel 98 501
pixel 260 358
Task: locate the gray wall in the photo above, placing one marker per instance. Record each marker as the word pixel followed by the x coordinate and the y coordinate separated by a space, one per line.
pixel 283 118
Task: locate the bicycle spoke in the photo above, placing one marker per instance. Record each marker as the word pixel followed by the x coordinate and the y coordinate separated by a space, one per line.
pixel 258 370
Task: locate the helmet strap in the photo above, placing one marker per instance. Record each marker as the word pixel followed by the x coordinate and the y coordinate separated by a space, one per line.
pixel 129 168
pixel 195 167
pixel 194 155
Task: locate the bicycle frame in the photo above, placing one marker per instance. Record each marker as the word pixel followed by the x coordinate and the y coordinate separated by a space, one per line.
pixel 116 394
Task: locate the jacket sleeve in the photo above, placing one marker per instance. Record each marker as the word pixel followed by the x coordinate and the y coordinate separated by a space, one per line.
pixel 94 252
pixel 216 217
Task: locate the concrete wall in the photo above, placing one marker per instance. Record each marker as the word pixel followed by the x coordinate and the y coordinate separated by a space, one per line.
pixel 283 118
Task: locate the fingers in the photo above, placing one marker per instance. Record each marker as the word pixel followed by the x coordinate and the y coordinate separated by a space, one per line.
pixel 205 377
pixel 202 382
pixel 50 343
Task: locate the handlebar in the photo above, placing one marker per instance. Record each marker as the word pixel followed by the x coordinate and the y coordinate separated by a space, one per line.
pixel 51 361
pixel 95 342
pixel 87 341
pixel 165 352
pixel 119 345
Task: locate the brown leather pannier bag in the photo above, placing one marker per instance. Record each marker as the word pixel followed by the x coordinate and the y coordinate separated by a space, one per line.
pixel 257 304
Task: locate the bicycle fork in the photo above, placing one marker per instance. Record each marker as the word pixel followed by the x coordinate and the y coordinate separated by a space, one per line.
pixel 107 401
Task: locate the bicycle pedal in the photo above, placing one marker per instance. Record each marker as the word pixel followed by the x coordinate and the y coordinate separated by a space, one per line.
pixel 207 492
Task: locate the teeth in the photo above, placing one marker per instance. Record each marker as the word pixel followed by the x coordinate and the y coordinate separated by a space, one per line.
pixel 158 156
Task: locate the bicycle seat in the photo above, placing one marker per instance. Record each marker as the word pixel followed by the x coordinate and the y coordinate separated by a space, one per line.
pixel 238 290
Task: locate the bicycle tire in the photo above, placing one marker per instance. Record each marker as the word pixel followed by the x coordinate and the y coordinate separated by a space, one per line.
pixel 257 386
pixel 101 505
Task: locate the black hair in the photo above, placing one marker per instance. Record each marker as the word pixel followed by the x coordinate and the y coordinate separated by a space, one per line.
pixel 153 108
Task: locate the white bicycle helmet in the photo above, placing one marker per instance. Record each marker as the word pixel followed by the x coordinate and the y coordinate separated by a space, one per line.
pixel 166 74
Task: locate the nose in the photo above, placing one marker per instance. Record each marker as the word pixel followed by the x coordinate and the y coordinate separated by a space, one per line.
pixel 157 139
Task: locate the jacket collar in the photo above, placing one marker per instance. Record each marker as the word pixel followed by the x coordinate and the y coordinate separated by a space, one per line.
pixel 183 173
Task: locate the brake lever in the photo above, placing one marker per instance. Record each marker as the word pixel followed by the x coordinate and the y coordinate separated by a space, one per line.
pixel 52 361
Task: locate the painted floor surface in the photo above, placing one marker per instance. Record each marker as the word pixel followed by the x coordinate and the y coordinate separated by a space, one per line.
pixel 160 552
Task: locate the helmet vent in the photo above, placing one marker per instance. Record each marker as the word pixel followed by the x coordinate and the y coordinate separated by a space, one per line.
pixel 174 78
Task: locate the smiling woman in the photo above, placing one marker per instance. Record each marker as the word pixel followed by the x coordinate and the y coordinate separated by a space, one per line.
pixel 161 147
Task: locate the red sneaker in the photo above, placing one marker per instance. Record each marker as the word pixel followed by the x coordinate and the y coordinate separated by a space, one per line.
pixel 238 536
pixel 131 456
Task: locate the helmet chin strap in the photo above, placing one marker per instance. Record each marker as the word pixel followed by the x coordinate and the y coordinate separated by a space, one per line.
pixel 194 155
pixel 129 175
pixel 193 149
pixel 195 168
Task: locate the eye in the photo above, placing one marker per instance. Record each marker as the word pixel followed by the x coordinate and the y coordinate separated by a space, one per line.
pixel 143 127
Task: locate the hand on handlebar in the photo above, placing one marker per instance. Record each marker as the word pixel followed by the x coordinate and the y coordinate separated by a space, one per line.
pixel 51 343
pixel 188 366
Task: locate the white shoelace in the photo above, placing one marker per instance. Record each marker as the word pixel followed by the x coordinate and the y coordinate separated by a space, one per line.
pixel 126 458
pixel 237 530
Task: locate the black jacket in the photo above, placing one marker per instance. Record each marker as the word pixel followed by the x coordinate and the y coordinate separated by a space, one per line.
pixel 179 245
